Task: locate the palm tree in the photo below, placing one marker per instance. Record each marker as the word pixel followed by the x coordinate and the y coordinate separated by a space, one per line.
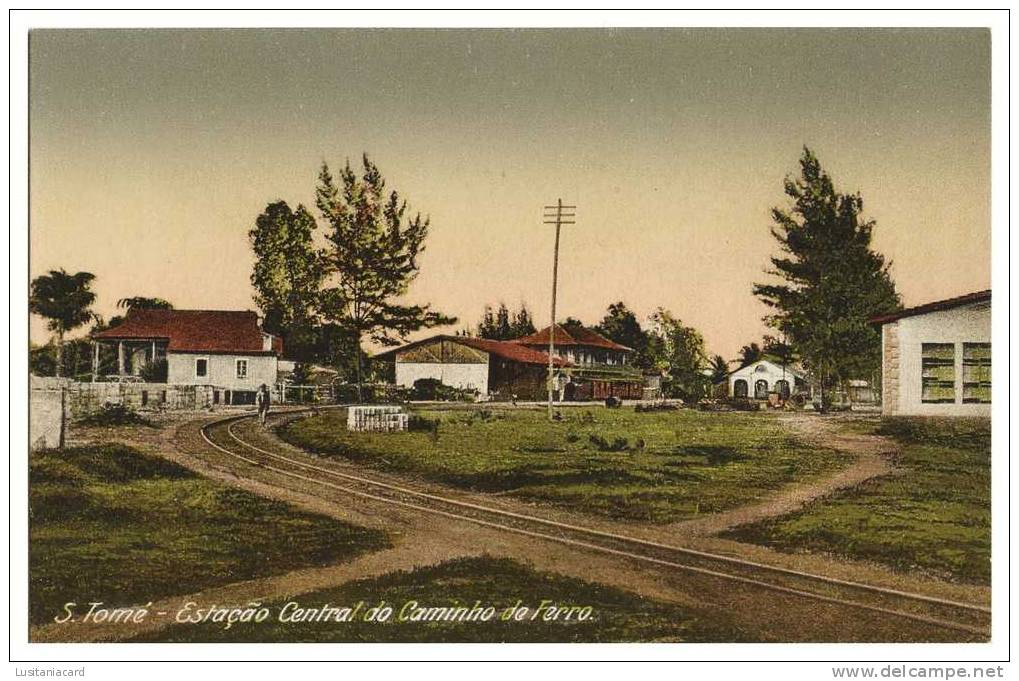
pixel 749 354
pixel 143 303
pixel 719 369
pixel 64 299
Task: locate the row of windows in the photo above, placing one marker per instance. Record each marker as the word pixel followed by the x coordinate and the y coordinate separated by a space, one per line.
pixel 938 375
pixel 202 368
pixel 740 389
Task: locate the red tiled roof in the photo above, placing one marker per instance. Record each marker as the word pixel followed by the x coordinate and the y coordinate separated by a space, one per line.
pixel 505 349
pixel 225 331
pixel 936 306
pixel 581 336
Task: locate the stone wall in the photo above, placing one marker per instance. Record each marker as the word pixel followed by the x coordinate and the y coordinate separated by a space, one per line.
pixel 87 398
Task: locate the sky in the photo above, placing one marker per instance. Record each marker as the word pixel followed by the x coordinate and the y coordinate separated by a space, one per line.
pixel 152 153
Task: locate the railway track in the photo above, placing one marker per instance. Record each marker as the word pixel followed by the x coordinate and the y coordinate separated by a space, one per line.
pixel 973 621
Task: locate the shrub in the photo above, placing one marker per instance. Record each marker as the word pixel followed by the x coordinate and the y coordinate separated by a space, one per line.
pixel 619 444
pixel 432 389
pixel 154 372
pixel 421 424
pixel 115 415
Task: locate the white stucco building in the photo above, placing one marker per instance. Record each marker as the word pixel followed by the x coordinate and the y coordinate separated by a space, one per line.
pixel 224 349
pixel 936 358
pixel 764 376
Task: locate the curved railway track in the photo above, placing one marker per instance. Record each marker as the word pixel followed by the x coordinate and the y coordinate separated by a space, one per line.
pixel 966 618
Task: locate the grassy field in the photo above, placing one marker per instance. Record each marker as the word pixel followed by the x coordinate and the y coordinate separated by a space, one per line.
pixel 114 525
pixel 657 467
pixel 936 516
pixel 615 615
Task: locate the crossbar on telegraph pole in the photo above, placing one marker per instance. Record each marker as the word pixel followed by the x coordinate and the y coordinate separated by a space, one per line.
pixel 557 215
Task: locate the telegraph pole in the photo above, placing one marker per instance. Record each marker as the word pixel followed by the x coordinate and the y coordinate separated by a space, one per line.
pixel 557 215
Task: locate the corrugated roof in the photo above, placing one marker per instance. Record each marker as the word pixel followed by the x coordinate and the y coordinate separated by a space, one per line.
pixel 224 331
pixel 582 336
pixel 936 306
pixel 505 349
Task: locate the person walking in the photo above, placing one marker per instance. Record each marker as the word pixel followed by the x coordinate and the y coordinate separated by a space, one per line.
pixel 262 403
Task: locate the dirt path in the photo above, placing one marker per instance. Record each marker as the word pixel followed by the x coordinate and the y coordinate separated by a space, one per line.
pixel 872 459
pixel 421 540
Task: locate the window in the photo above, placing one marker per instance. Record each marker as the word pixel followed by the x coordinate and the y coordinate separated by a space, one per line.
pixel 761 390
pixel 782 388
pixel 201 367
pixel 739 388
pixel 242 368
pixel 937 361
pixel 976 373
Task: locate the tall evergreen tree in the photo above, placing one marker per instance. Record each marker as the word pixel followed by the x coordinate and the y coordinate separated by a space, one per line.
pixel 522 324
pixel 287 275
pixel 831 279
pixel 371 260
pixel 504 325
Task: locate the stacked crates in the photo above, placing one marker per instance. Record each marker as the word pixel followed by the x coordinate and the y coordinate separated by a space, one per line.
pixel 376 418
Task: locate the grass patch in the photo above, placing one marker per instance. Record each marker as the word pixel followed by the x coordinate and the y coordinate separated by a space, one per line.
pixel 109 523
pixel 934 517
pixel 656 467
pixel 616 616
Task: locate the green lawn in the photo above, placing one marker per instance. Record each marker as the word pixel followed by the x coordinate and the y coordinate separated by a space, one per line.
pixel 935 517
pixel 615 616
pixel 657 467
pixel 111 524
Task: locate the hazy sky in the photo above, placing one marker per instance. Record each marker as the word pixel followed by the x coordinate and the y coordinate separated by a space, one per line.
pixel 152 152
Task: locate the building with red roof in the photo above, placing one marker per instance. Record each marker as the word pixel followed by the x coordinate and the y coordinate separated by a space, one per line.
pixel 588 365
pixel 500 369
pixel 226 349
pixel 578 345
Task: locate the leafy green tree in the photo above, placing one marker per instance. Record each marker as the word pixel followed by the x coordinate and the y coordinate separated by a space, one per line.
pixel 831 280
pixel 621 325
pixel 571 324
pixel 287 276
pixel 679 350
pixel 371 260
pixel 65 300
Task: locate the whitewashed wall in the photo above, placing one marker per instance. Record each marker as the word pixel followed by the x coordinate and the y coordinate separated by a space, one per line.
pixel 468 376
pixel 765 370
pixel 222 370
pixel 961 325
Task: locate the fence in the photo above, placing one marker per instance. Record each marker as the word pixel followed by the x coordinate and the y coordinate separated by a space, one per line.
pixel 376 419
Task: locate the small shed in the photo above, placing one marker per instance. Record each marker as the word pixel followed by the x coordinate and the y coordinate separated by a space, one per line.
pixel 765 376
